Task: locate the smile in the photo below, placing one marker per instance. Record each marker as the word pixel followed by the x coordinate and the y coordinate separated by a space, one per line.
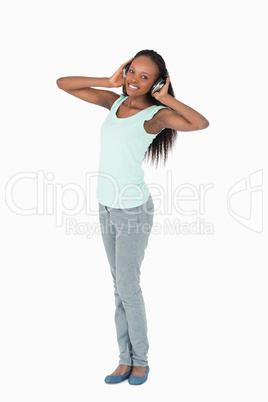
pixel 132 87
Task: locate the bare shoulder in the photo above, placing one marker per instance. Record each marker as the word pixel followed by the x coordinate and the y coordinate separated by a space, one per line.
pixel 165 113
pixel 111 98
pixel 158 121
pixel 102 97
pixel 165 118
pixel 162 115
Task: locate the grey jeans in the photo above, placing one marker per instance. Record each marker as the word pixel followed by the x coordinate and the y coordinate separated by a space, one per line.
pixel 125 234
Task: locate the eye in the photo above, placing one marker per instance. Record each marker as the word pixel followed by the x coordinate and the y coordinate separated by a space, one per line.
pixel 143 76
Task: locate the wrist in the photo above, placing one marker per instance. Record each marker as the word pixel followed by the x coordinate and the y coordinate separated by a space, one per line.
pixel 109 84
pixel 163 98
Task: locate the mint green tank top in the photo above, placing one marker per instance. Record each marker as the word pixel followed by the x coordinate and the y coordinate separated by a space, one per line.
pixel 123 144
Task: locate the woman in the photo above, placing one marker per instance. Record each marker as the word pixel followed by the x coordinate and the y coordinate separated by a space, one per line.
pixel 143 121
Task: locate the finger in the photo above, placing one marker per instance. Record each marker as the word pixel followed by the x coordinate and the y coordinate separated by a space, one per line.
pixel 167 80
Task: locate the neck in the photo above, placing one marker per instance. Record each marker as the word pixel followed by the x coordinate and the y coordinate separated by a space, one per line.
pixel 138 102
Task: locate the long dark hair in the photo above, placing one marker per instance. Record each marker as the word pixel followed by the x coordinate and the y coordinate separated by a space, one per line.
pixel 164 141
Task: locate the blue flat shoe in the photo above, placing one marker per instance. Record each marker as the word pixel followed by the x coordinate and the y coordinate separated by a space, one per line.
pixel 115 379
pixel 133 380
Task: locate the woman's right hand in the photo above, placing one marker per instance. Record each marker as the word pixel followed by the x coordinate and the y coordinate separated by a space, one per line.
pixel 117 79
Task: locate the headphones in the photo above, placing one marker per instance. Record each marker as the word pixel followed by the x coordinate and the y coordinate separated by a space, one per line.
pixel 158 83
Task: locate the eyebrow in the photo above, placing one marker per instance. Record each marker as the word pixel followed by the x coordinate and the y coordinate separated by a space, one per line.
pixel 141 71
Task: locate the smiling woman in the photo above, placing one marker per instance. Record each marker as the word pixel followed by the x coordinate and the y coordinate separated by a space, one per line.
pixel 142 121
pixel 146 70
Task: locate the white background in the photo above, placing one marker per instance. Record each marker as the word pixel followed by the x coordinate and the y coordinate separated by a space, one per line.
pixel 205 294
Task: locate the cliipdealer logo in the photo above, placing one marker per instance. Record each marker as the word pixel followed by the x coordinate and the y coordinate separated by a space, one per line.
pixel 247 192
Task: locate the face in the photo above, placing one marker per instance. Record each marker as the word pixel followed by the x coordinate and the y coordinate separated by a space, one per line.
pixel 141 75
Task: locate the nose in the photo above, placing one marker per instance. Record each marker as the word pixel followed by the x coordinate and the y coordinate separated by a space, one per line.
pixel 134 82
pixel 133 78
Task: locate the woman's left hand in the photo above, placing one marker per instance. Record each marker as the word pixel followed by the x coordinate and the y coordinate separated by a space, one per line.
pixel 163 91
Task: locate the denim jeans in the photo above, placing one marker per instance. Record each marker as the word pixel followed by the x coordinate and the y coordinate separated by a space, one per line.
pixel 125 234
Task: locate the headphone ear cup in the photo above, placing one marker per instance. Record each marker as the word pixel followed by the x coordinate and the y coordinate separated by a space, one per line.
pixel 125 70
pixel 157 85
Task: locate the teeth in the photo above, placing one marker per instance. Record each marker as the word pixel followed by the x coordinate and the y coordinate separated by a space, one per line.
pixel 131 86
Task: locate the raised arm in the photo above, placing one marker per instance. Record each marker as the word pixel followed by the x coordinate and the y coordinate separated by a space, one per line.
pixel 81 87
pixel 181 118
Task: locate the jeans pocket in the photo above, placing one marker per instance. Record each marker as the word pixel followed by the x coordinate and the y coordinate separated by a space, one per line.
pixel 149 206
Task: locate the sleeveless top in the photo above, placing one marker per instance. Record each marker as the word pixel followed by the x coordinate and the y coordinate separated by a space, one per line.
pixel 123 143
